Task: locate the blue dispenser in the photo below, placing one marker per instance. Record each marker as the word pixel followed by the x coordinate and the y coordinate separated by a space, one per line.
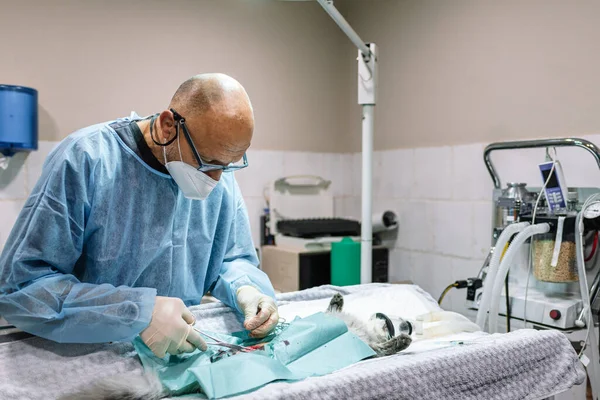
pixel 18 119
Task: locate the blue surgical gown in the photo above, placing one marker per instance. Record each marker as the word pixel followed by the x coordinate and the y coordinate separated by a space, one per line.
pixel 102 234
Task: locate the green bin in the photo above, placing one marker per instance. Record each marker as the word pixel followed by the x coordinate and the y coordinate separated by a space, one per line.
pixel 345 262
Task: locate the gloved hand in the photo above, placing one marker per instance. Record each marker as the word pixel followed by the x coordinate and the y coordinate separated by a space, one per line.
pixel 260 311
pixel 170 330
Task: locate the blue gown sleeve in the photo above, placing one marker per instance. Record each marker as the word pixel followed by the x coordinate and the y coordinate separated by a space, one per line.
pixel 240 264
pixel 38 292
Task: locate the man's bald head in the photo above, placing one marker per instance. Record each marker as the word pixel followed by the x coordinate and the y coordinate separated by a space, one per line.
pixel 205 92
pixel 219 117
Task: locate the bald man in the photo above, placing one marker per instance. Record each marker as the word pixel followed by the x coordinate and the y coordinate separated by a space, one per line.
pixel 134 220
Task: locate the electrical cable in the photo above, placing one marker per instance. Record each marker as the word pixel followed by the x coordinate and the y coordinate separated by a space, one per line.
pixel 507 302
pixel 266 196
pixel 590 320
pixel 506 291
pixel 448 288
pixel 594 247
pixel 486 263
pixel 542 192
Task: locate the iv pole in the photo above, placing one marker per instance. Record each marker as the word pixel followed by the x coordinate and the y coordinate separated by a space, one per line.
pixel 367 84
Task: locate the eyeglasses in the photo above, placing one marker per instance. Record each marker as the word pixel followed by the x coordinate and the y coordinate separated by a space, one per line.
pixel 204 166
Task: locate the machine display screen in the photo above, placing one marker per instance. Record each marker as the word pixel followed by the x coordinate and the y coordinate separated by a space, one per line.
pixel 553 182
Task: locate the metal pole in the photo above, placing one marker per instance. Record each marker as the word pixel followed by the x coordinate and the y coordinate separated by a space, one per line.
pixel 366 230
pixel 367 88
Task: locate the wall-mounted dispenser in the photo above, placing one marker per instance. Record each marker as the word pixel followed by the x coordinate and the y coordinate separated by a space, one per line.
pixel 18 121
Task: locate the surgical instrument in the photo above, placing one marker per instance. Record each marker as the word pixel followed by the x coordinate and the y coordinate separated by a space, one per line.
pixel 217 342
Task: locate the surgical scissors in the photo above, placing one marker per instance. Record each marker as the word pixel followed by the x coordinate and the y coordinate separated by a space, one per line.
pixel 221 343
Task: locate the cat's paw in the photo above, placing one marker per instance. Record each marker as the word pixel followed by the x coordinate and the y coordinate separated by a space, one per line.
pixel 385 324
pixel 393 346
pixel 336 303
pixel 401 342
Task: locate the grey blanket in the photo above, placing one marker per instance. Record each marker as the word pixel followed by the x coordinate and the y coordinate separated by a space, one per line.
pixel 525 364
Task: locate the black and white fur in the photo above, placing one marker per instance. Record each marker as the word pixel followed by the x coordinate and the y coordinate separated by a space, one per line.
pixel 132 386
pixel 373 332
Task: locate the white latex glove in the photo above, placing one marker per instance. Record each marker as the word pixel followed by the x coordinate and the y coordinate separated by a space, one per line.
pixel 170 330
pixel 260 311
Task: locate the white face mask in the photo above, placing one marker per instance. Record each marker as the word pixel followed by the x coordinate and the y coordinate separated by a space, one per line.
pixel 194 184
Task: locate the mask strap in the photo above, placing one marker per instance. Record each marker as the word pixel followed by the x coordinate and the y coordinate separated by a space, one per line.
pixel 171 141
pixel 179 144
pixel 165 154
pixel 152 134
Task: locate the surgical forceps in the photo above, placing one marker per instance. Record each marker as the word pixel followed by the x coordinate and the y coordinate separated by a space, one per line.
pixel 217 342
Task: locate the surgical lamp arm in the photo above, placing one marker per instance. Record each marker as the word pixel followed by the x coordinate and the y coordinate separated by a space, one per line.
pixel 529 144
pixel 346 28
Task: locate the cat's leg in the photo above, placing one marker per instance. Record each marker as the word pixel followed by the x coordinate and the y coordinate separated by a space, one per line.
pixel 392 346
pixel 336 303
pixel 383 324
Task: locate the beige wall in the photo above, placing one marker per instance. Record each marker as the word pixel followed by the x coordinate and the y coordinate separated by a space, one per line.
pixel 451 72
pixel 96 60
pixel 465 71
